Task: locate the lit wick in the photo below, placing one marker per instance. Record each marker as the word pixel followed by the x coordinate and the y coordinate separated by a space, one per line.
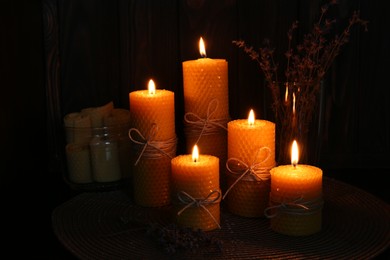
pixel 251 118
pixel 294 154
pixel 195 154
pixel 151 87
pixel 202 48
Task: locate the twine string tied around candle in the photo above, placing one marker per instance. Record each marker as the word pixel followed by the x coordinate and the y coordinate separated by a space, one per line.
pixel 256 171
pixel 296 206
pixel 207 125
pixel 213 197
pixel 150 148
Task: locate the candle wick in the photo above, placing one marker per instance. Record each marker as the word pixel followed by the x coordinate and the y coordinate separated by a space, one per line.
pixel 295 165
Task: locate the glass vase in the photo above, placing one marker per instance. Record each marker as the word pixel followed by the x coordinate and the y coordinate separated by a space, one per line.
pixel 300 118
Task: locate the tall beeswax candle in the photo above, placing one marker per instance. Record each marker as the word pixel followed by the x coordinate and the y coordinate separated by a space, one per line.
pixel 206 104
pixel 296 198
pixel 251 154
pixel 196 192
pixel 152 115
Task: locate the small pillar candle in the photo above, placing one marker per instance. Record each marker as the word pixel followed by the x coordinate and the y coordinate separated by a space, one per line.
pixel 78 163
pixel 296 198
pixel 196 179
pixel 152 115
pixel 251 154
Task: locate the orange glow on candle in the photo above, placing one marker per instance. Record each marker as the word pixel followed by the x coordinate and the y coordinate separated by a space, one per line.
pixel 294 153
pixel 195 154
pixel 151 87
pixel 202 48
pixel 251 117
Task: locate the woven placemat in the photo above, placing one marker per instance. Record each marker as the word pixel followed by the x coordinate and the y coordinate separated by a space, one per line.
pixel 108 225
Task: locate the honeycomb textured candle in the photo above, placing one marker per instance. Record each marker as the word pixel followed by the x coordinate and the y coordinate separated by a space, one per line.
pixel 205 80
pixel 251 144
pixel 151 176
pixel 198 179
pixel 302 184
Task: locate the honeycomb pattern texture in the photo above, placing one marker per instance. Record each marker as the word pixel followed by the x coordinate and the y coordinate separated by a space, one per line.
pixel 152 176
pixel 158 109
pixel 205 80
pixel 297 225
pixel 249 196
pixel 288 184
pixel 198 179
pixel 152 182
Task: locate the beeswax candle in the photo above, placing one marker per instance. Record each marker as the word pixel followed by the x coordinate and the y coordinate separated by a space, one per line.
pixel 199 178
pixel 251 149
pixel 152 115
pixel 298 188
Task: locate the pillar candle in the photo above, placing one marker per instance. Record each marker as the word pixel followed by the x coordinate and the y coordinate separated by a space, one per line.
pixel 199 178
pixel 205 83
pixel 78 163
pixel 251 142
pixel 152 114
pixel 300 187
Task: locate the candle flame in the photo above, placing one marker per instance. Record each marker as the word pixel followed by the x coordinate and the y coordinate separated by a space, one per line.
pixel 202 48
pixel 251 117
pixel 152 87
pixel 195 154
pixel 294 153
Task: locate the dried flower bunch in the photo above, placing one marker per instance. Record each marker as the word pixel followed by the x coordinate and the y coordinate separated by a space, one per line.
pixel 294 95
pixel 173 238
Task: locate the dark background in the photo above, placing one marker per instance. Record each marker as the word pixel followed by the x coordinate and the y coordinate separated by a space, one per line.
pixel 60 56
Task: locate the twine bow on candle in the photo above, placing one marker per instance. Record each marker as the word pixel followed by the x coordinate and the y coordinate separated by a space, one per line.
pixel 157 148
pixel 212 198
pixel 255 170
pixel 207 125
pixel 294 207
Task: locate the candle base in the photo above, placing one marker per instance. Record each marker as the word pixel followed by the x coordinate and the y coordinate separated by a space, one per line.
pixel 297 225
pixel 151 182
pixel 298 217
pixel 248 198
pixel 199 218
